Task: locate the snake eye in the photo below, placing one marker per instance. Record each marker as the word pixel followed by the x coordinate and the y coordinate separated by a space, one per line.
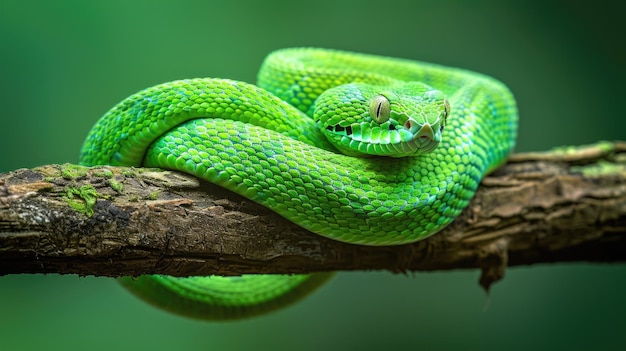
pixel 380 109
pixel 446 107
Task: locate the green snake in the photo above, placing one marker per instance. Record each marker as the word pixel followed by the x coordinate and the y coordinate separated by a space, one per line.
pixel 359 148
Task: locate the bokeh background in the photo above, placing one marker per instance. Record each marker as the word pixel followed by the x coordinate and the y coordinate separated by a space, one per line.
pixel 64 63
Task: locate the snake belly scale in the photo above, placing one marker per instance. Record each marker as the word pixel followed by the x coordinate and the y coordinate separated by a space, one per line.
pixel 359 148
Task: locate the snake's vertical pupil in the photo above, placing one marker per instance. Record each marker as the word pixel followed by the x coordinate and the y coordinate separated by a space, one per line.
pixel 446 106
pixel 380 109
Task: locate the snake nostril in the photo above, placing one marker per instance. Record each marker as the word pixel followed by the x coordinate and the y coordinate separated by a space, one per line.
pixel 408 124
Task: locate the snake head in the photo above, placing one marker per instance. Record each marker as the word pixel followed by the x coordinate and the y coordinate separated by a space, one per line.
pixel 406 119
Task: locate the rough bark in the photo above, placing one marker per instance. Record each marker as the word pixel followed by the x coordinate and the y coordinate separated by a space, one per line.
pixel 562 205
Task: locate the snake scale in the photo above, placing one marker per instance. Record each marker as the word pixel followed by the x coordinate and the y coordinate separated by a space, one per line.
pixel 359 148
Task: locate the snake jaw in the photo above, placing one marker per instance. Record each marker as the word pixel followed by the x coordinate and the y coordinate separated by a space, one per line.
pixel 407 139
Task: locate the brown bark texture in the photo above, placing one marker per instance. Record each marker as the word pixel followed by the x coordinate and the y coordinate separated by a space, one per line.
pixel 568 204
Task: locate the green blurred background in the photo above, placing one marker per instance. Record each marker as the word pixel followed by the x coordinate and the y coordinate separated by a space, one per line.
pixel 64 63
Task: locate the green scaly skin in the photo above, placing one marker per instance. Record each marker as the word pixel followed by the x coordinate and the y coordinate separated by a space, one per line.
pixel 416 140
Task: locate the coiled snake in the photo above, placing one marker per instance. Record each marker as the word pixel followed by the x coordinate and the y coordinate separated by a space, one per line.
pixel 359 148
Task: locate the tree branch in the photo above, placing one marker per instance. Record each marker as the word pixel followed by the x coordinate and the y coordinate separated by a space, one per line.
pixel 563 205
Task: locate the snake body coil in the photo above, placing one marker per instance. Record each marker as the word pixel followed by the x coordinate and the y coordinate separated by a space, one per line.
pixel 358 148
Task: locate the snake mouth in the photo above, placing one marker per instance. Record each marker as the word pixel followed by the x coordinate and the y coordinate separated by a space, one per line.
pixel 418 144
pixel 398 140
